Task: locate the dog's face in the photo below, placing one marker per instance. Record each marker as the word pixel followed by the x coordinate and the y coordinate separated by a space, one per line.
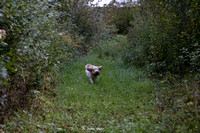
pixel 95 70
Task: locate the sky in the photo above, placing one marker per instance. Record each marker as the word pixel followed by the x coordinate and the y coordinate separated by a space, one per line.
pixel 102 2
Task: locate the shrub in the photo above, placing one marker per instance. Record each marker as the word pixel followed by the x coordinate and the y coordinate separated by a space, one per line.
pixel 178 105
pixel 164 37
pixel 85 23
pixel 31 50
pixel 120 15
pixel 40 36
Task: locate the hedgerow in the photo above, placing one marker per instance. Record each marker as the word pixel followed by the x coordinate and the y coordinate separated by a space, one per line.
pixel 85 23
pixel 40 36
pixel 164 37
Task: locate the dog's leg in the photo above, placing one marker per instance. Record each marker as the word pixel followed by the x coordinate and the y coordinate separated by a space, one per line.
pixel 91 81
pixel 94 79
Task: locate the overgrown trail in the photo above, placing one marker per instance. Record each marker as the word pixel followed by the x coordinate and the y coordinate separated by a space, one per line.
pixel 121 100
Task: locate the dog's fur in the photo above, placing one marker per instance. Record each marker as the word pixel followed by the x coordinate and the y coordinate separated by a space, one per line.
pixel 92 72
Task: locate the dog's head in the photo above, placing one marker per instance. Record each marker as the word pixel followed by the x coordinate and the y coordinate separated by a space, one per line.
pixel 94 70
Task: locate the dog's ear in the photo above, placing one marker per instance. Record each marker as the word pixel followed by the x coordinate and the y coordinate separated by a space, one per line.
pixel 89 69
pixel 100 67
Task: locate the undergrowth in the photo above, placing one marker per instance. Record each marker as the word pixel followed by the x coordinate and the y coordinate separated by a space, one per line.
pixel 123 100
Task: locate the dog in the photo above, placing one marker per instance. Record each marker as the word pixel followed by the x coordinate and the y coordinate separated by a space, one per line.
pixel 93 72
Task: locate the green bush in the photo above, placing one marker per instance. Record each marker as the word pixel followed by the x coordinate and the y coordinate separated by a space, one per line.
pixel 40 36
pixel 31 50
pixel 84 22
pixel 164 37
pixel 178 106
pixel 120 15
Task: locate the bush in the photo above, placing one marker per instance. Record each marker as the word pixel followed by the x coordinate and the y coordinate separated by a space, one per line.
pixel 40 37
pixel 164 37
pixel 30 51
pixel 120 15
pixel 178 105
pixel 85 23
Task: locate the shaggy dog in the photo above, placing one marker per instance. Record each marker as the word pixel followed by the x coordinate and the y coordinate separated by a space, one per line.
pixel 92 72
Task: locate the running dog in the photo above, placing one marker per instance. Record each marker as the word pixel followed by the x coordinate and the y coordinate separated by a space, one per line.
pixel 92 72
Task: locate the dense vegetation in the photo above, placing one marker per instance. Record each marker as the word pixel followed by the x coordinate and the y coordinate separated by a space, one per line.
pixel 165 36
pixel 38 37
pixel 114 104
pixel 164 39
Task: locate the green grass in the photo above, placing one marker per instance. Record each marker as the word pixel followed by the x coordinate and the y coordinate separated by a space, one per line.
pixel 122 100
pixel 119 97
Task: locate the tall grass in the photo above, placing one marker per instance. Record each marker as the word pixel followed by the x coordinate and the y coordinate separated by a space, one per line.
pixel 122 100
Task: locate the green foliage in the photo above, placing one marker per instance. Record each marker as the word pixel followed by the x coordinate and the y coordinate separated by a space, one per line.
pixel 121 100
pixel 84 22
pixel 178 105
pixel 121 16
pixel 31 50
pixel 41 35
pixel 3 72
pixel 114 49
pixel 164 37
pixel 38 36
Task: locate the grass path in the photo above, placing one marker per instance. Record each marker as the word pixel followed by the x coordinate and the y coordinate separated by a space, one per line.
pixel 120 101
